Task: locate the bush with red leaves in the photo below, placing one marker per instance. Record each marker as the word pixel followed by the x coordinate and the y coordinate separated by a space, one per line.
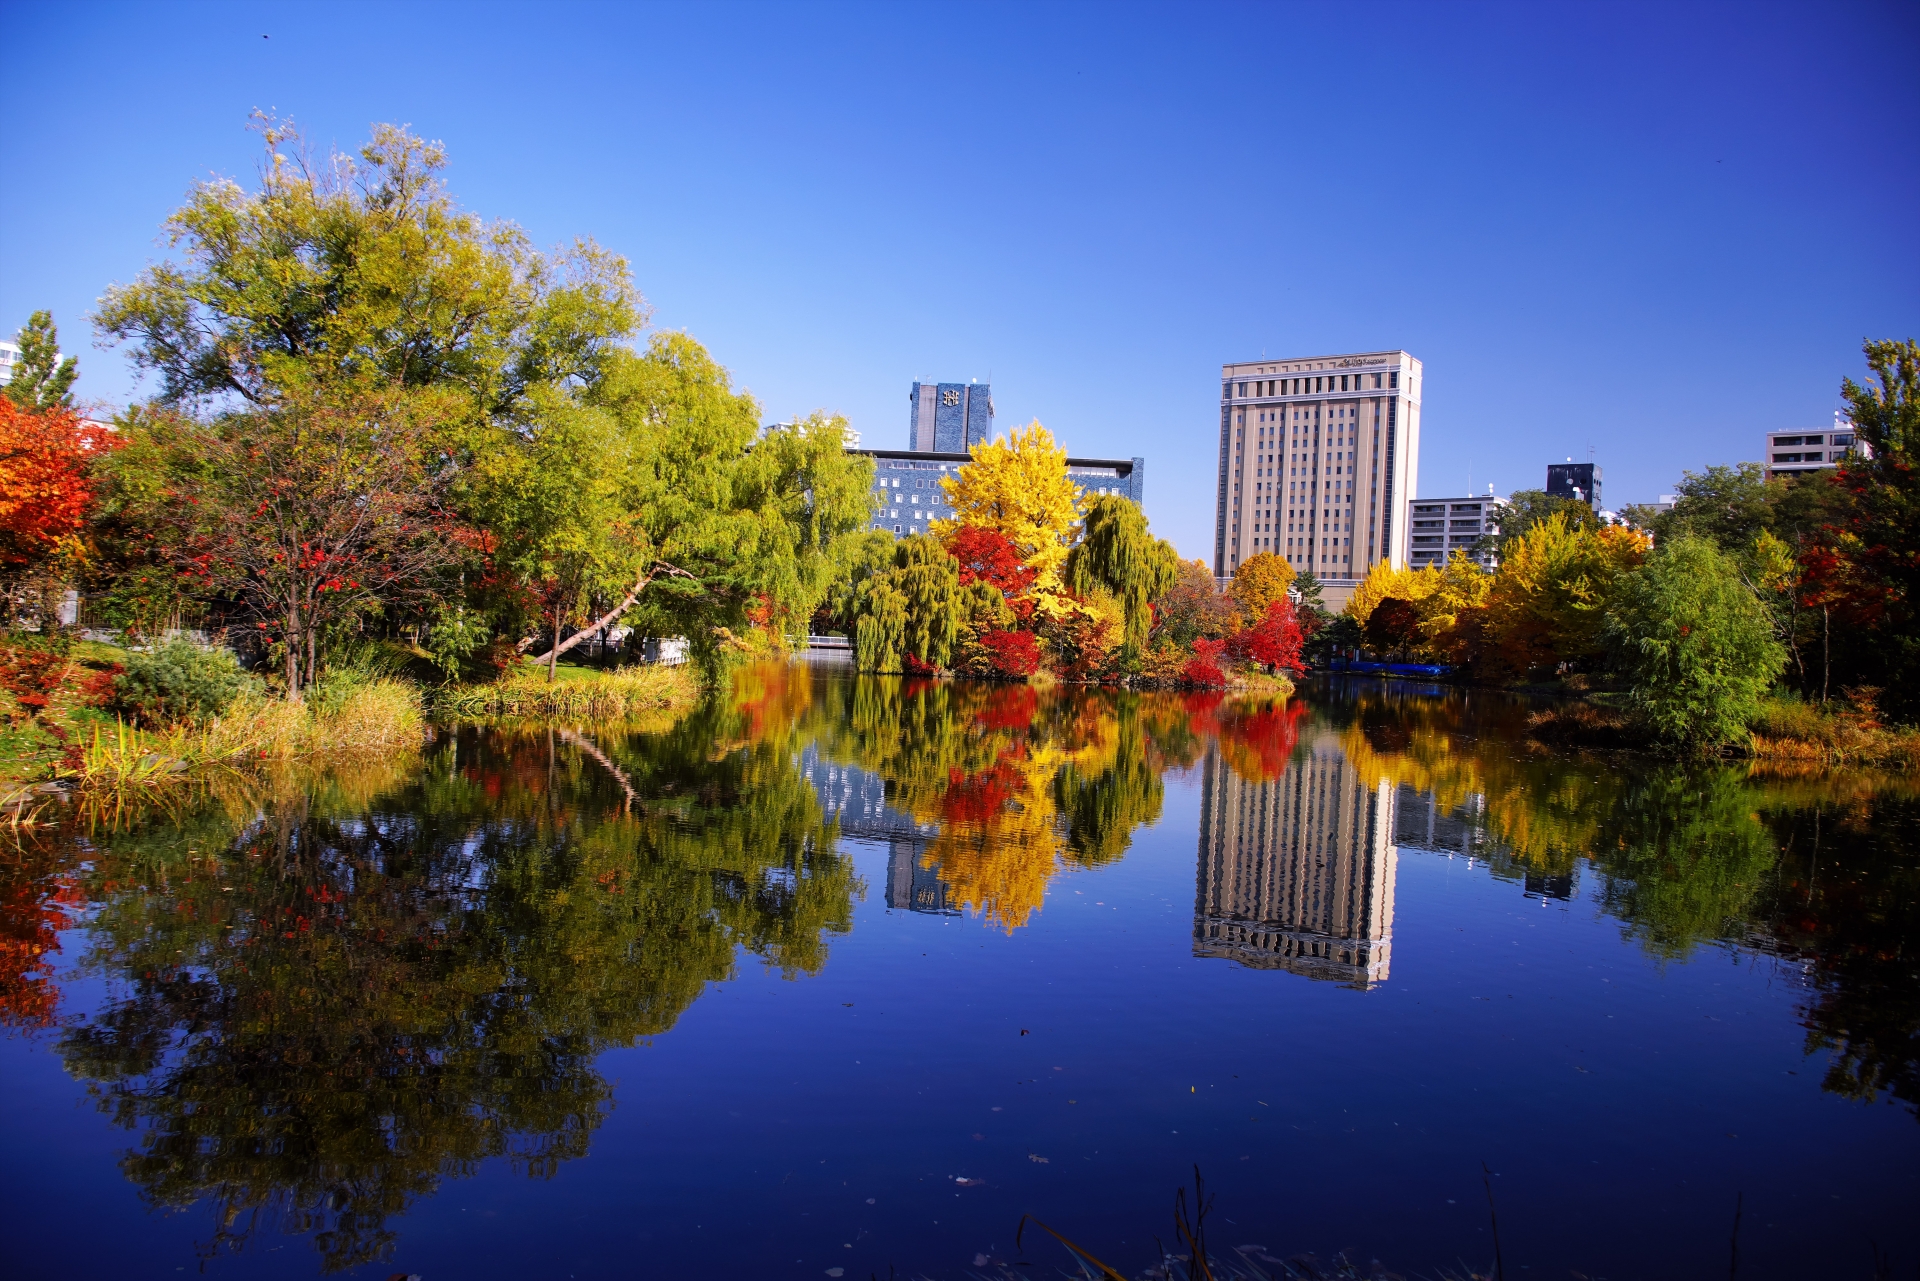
pixel 1015 653
pixel 1203 669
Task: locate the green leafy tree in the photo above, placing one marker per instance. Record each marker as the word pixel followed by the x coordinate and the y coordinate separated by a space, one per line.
pixel 1729 505
pixel 913 612
pixel 41 379
pixel 1116 551
pixel 1695 642
pixel 1527 508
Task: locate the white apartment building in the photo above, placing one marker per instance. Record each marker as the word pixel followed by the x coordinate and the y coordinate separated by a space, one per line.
pixel 1789 453
pixel 1318 456
pixel 1439 527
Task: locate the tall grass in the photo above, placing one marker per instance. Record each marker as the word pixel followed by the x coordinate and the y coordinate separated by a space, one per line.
pixel 375 716
pixel 1849 733
pixel 597 696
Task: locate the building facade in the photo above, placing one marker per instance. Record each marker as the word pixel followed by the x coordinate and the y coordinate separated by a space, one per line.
pixel 1791 453
pixel 1578 481
pixel 1318 456
pixel 907 483
pixel 1297 873
pixel 947 418
pixel 1439 527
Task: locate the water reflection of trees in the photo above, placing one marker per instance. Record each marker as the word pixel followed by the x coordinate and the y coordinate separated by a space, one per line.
pixel 1691 853
pixel 327 995
pixel 325 1002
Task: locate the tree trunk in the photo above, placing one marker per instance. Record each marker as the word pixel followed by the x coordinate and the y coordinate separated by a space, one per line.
pixel 553 655
pixel 293 654
pixel 1826 652
pixel 625 603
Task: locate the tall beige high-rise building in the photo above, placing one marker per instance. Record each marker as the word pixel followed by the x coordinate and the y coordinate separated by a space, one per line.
pixel 1297 873
pixel 1318 457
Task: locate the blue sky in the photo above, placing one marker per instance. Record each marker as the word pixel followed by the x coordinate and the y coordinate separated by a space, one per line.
pixel 1656 230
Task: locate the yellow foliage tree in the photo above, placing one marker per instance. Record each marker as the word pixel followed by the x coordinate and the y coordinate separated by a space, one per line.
pixel 1382 582
pixel 1019 486
pixel 1260 580
pixel 1548 601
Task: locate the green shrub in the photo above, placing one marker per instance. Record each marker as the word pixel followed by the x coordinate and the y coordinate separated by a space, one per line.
pixel 1695 643
pixel 177 683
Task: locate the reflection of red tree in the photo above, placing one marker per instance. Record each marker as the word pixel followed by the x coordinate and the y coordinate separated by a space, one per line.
pixel 33 911
pixel 980 796
pixel 1258 743
pixel 1010 707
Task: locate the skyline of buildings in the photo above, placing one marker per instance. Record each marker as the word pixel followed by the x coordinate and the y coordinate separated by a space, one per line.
pixel 944 421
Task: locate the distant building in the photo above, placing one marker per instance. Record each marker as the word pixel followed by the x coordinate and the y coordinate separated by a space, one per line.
pixel 908 482
pixel 1439 527
pixel 1791 453
pixel 9 357
pixel 1578 481
pixel 1318 455
pixel 947 418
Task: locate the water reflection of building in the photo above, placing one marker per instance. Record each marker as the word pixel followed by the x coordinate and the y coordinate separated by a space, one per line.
pixel 859 800
pixel 1420 823
pixel 1297 873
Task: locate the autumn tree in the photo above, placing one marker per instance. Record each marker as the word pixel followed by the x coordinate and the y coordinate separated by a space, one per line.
pixel 41 379
pixel 1192 608
pixel 1117 552
pixel 47 491
pixel 1018 485
pixel 1260 580
pixel 306 516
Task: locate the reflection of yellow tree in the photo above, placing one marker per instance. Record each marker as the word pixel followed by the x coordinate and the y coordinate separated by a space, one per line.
pixel 1017 781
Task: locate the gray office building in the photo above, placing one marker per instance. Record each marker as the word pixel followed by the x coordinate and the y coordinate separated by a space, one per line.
pixel 947 420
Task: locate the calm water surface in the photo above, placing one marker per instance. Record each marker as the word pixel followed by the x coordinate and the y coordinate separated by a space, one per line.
pixel 846 975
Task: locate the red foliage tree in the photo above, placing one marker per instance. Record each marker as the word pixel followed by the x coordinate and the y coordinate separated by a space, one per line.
pixel 1275 640
pixel 46 491
pixel 1203 669
pixel 1015 653
pixel 987 555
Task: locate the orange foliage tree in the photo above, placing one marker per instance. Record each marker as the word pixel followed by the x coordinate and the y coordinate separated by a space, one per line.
pixel 46 489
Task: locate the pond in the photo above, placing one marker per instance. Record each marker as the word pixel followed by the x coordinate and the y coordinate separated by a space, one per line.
pixel 841 976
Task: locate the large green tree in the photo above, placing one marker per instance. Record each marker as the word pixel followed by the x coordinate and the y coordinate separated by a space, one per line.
pixel 1695 642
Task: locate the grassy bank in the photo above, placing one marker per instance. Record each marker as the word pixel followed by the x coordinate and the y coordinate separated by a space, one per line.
pixel 1847 733
pixel 54 729
pixel 578 694
pixel 371 718
pixel 1783 731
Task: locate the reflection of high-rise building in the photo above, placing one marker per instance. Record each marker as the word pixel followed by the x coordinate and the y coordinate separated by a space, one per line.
pixel 911 886
pixel 1297 873
pixel 857 800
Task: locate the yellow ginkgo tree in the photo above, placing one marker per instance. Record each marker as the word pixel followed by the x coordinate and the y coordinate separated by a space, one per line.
pixel 1018 485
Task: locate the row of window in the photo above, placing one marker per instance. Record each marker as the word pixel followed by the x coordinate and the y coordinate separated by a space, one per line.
pixel 1315 386
pixel 1841 438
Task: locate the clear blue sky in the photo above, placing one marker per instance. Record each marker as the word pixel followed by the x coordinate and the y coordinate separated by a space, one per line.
pixel 1653 229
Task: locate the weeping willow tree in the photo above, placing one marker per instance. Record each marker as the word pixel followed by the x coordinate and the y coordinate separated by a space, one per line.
pixel 1117 552
pixel 911 613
